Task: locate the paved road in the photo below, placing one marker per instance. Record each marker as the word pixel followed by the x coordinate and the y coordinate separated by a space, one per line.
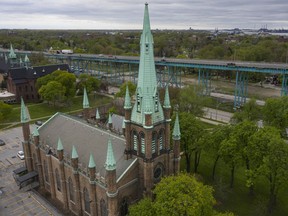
pixel 12 200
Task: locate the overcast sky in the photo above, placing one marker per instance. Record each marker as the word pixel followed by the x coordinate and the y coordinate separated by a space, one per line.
pixel 128 14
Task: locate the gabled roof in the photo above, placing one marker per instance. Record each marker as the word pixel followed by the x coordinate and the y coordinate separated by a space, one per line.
pixel 87 139
pixel 35 72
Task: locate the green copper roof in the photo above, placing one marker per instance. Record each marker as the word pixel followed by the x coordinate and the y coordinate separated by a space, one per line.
pixel 176 130
pixel 91 162
pixel 110 163
pixel 147 97
pixel 97 114
pixel 24 114
pixel 74 153
pixel 167 98
pixel 85 99
pixel 26 59
pixel 12 54
pixel 60 146
pixel 110 119
pixel 127 103
pixel 35 132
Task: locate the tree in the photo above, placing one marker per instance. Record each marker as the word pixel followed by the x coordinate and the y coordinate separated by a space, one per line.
pixel 269 158
pixel 275 113
pixel 122 92
pixel 213 142
pixel 191 134
pixel 5 110
pixel 191 100
pixel 67 80
pixel 250 111
pixel 178 195
pixel 52 92
pixel 89 82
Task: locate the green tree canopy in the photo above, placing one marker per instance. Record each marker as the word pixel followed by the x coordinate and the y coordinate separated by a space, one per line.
pixel 131 87
pixel 53 92
pixel 91 83
pixel 250 111
pixel 178 195
pixel 5 110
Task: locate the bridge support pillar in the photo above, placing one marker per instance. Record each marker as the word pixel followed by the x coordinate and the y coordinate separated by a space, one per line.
pixel 284 90
pixel 204 80
pixel 240 89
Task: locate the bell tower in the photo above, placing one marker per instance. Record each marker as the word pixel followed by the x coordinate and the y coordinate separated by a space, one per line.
pixel 147 123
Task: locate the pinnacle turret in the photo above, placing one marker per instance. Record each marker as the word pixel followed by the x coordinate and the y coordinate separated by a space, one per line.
pixel 60 146
pixel 176 130
pixel 12 54
pixel 91 162
pixel 127 103
pixel 85 99
pixel 74 153
pixel 166 103
pixel 35 132
pixel 24 112
pixel 110 163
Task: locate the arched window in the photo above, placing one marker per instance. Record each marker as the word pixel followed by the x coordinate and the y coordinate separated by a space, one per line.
pixel 142 137
pixel 161 140
pixel 46 176
pixel 86 200
pixel 154 142
pixel 71 190
pixel 124 207
pixel 58 182
pixel 103 208
pixel 135 141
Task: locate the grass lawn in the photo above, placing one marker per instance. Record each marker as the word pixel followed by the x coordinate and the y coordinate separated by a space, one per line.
pixel 237 199
pixel 43 111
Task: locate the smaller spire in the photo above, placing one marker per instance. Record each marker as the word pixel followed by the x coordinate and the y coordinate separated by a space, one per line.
pixel 91 162
pixel 26 59
pixel 60 146
pixel 97 114
pixel 166 98
pixel 110 163
pixel 12 54
pixel 176 130
pixel 127 102
pixel 35 132
pixel 24 115
pixel 85 99
pixel 74 153
pixel 123 124
pixel 20 61
pixel 110 119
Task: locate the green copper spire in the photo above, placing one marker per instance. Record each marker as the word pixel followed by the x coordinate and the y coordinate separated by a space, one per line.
pixel 176 130
pixel 110 163
pixel 74 153
pixel 167 98
pixel 26 59
pixel 85 99
pixel 123 124
pixel 20 61
pixel 60 146
pixel 24 114
pixel 147 96
pixel 127 102
pixel 110 119
pixel 6 59
pixel 91 162
pixel 12 54
pixel 35 132
pixel 97 114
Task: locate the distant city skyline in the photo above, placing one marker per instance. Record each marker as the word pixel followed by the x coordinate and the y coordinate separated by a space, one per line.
pixel 128 14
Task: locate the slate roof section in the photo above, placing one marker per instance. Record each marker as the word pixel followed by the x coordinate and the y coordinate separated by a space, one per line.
pixel 87 140
pixel 28 73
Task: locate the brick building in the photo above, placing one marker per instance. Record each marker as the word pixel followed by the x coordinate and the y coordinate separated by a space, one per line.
pixel 91 170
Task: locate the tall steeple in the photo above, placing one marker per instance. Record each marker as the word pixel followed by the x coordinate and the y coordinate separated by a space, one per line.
pixel 176 130
pixel 12 54
pixel 147 96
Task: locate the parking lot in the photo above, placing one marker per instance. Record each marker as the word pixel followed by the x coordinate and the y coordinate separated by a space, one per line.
pixel 13 201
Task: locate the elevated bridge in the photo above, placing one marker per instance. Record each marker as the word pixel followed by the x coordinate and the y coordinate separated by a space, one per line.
pixel 117 69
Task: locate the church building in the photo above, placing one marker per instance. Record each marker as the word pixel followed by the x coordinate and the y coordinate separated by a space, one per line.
pixel 91 170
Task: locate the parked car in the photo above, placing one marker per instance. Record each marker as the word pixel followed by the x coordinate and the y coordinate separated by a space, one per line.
pixel 2 142
pixel 20 154
pixel 38 123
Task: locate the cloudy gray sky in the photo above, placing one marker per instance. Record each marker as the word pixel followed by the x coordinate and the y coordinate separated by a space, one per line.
pixel 128 14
